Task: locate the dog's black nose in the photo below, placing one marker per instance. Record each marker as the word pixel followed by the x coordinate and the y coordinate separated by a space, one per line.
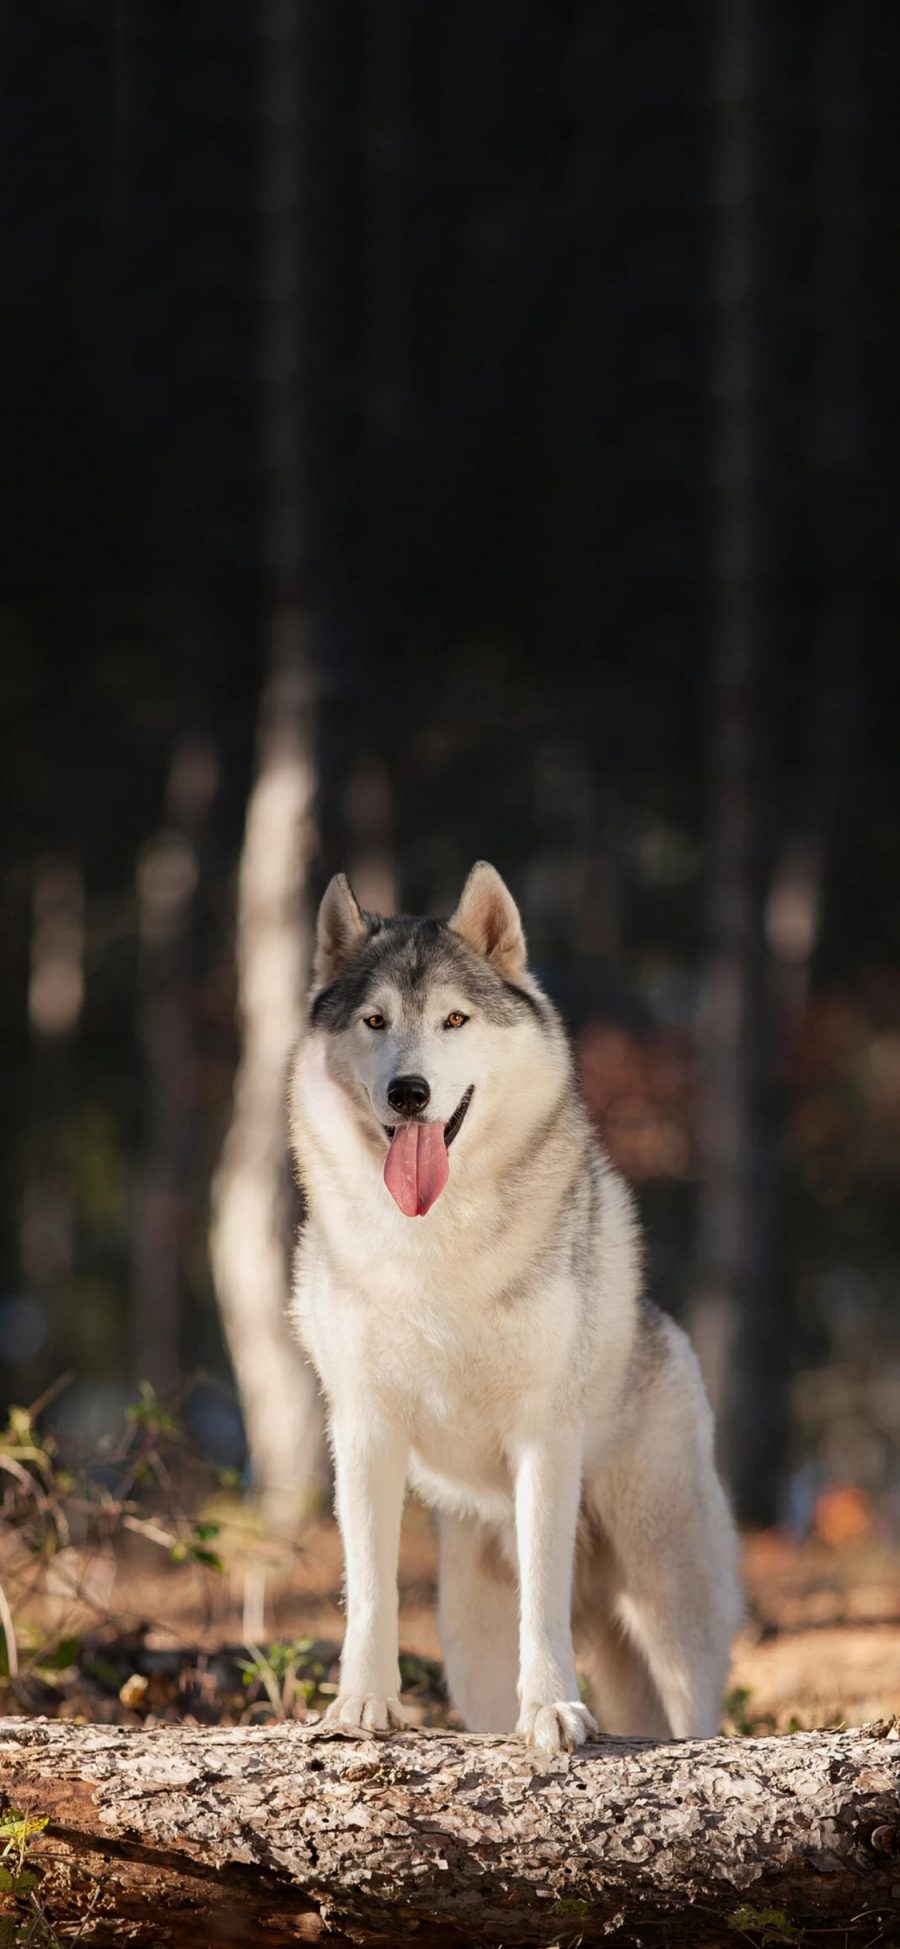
pixel 408 1095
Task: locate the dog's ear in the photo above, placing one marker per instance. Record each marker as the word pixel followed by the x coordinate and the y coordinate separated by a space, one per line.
pixel 488 920
pixel 341 929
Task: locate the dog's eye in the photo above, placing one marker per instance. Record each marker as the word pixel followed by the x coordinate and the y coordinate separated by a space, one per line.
pixel 374 1021
pixel 455 1019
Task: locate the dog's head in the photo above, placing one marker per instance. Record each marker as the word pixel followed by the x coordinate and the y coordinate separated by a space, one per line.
pixel 422 1019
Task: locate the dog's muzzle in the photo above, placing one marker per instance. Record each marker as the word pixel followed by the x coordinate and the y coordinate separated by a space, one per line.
pixel 417 1167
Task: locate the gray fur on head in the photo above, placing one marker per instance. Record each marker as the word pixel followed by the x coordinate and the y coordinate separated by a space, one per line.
pixel 481 948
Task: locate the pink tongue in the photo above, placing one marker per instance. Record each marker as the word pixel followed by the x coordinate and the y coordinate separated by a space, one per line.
pixel 417 1167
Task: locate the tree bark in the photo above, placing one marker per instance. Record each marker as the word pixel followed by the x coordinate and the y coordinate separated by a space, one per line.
pixel 275 1834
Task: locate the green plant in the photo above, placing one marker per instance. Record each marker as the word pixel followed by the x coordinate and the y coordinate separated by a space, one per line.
pixel 17 1831
pixel 769 1925
pixel 150 1414
pixel 286 1676
pixel 29 1926
pixel 735 1715
pixel 195 1548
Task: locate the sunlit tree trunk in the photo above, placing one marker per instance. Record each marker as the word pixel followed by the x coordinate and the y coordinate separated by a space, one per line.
pixel 251 1225
pixel 250 1240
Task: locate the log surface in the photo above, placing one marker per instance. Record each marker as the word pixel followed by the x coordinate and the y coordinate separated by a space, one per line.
pixel 275 1834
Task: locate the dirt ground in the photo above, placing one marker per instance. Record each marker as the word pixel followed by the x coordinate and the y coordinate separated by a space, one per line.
pixel 821 1646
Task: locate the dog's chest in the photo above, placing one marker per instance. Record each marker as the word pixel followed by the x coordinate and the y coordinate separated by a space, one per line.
pixel 447 1359
pixel 461 1368
pixel 461 1395
pixel 424 1325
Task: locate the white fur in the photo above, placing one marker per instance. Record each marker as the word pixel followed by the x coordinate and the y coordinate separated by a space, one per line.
pixel 496 1355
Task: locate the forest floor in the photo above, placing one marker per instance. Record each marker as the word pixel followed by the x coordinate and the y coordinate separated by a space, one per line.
pixel 120 1634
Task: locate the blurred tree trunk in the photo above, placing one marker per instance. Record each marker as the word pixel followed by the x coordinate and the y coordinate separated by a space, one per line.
pixel 55 1007
pixel 815 870
pixel 252 1191
pixel 739 1316
pixel 169 869
pixel 841 461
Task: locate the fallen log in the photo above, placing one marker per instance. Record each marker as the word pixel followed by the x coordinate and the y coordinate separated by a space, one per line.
pixel 183 1836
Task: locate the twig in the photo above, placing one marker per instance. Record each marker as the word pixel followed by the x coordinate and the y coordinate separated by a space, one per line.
pixel 50 1393
pixel 9 1632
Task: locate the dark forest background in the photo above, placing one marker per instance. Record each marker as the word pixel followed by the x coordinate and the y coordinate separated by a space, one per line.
pixel 501 402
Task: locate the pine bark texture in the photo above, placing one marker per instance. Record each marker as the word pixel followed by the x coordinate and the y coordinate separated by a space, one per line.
pixel 281 1834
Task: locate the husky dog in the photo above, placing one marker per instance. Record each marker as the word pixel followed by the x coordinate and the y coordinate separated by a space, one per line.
pixel 468 1285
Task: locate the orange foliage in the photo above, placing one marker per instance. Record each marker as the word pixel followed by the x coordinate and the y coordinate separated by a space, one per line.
pixel 643 1098
pixel 842 1516
pixel 839 1064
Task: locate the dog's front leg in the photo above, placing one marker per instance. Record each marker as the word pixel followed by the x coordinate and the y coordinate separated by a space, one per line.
pixel 547 1493
pixel 370 1470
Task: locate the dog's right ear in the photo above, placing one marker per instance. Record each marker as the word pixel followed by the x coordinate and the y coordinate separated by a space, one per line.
pixel 341 929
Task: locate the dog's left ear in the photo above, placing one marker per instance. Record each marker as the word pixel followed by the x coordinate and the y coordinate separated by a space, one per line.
pixel 341 928
pixel 488 920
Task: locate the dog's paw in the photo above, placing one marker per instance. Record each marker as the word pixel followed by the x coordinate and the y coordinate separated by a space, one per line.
pixel 366 1711
pixel 557 1728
